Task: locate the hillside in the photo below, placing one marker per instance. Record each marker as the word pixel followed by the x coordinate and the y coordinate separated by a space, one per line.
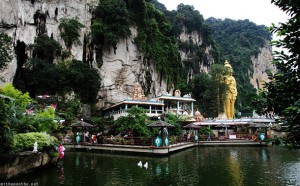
pixel 246 46
pixel 120 43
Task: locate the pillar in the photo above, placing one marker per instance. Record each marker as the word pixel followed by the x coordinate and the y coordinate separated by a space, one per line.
pixel 192 105
pixel 177 108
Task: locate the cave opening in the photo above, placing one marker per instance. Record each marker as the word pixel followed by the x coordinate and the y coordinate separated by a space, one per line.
pixel 20 51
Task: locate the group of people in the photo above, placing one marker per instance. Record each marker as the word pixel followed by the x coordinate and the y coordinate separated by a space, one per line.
pixel 94 138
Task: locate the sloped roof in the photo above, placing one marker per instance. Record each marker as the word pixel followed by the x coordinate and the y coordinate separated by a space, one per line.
pixel 160 123
pixel 82 124
pixel 192 126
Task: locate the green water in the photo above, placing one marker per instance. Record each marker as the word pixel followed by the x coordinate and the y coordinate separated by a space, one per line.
pixel 195 166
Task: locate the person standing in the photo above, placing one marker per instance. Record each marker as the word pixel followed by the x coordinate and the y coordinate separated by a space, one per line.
pixel 99 138
pixel 87 136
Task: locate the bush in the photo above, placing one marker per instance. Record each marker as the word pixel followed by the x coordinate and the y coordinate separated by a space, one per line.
pixel 70 30
pixel 25 141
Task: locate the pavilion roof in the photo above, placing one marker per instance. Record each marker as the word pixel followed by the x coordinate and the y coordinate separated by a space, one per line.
pixel 254 122
pixel 160 123
pixel 192 126
pixel 175 98
pixel 81 124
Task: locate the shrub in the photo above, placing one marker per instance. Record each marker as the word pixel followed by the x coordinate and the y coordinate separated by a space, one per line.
pixel 20 99
pixel 70 30
pixel 5 50
pixel 25 141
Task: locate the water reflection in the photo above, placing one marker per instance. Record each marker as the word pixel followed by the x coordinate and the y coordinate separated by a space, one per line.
pixel 235 170
pixel 195 166
pixel 264 155
pixel 60 171
pixel 161 168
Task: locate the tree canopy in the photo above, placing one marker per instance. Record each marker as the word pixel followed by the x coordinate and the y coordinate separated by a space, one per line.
pixel 282 94
pixel 136 121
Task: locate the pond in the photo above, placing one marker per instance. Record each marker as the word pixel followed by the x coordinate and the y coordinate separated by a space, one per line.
pixel 194 166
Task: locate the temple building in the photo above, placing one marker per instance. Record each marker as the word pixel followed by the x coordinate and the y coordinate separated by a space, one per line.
pixel 181 106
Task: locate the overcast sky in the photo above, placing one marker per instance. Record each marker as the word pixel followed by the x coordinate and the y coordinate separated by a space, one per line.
pixel 261 12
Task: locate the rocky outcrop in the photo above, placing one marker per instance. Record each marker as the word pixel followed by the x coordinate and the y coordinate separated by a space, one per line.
pixel 22 163
pixel 17 19
pixel 120 68
pixel 262 63
pixel 195 38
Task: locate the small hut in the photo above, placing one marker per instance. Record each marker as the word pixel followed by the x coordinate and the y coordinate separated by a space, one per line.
pixel 80 124
pixel 195 129
pixel 162 140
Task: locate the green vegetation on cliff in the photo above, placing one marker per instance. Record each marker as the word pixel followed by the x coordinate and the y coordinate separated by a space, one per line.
pixel 155 39
pixel 43 75
pixel 52 70
pixel 5 50
pixel 237 42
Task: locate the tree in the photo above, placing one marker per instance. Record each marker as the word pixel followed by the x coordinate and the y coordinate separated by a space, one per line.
pixel 110 23
pixel 70 30
pixel 174 120
pixel 136 121
pixel 46 48
pixel 5 50
pixel 188 17
pixel 12 107
pixel 7 117
pixel 282 93
pixel 45 120
pixel 20 99
pixel 209 90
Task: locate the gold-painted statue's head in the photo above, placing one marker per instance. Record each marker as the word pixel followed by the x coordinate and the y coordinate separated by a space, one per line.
pixel 226 64
pixel 228 67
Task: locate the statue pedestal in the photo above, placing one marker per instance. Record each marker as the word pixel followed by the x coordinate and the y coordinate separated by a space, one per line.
pixel 222 116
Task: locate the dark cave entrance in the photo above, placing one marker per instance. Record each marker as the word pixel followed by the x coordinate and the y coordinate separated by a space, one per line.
pixel 20 51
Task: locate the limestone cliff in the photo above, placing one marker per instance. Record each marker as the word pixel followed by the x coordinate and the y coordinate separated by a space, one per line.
pixel 120 69
pixel 262 63
pixel 17 19
pixel 195 38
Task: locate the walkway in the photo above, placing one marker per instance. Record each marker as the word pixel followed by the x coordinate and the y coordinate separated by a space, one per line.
pixel 152 150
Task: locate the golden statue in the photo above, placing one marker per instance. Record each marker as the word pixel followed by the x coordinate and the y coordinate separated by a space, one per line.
pixel 231 91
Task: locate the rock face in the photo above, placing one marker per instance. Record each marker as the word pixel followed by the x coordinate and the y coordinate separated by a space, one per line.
pixel 196 39
pixel 120 69
pixel 17 20
pixel 22 163
pixel 262 63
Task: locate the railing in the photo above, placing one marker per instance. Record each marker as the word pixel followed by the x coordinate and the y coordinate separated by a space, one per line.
pixel 142 141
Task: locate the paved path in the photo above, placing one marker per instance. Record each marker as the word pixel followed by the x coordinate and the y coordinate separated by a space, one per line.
pixel 159 150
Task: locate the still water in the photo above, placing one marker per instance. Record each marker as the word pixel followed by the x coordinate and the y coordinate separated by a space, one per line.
pixel 195 166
